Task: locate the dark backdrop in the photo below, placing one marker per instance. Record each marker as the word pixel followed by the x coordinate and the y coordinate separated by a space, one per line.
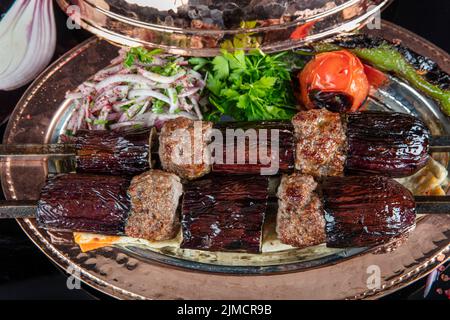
pixel 429 18
pixel 26 273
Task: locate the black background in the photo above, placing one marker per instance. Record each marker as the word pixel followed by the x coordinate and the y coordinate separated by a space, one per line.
pixel 26 273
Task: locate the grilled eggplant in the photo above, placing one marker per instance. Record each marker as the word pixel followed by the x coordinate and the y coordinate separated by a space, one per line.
pixel 91 203
pixel 395 146
pixel 322 143
pixel 221 213
pixel 317 142
pixel 224 213
pixel 254 157
pixel 366 143
pixel 366 211
pixel 117 153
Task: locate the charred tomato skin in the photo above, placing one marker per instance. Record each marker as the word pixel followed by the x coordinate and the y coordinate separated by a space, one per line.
pixel 333 101
pixel 334 80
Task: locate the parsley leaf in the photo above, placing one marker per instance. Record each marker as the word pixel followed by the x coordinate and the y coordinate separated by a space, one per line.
pixel 198 63
pixel 221 67
pixel 251 87
pixel 141 54
pixel 214 85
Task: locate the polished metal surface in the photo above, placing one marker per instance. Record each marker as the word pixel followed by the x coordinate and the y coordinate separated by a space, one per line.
pixel 433 205
pixel 136 272
pixel 37 150
pixel 202 28
pixel 13 209
pixel 440 144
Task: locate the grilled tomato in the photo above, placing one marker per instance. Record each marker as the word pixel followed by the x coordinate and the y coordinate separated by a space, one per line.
pixel 334 80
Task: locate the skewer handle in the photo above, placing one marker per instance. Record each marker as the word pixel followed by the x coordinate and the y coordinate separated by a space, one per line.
pixel 440 144
pixel 432 204
pixel 14 209
pixel 37 150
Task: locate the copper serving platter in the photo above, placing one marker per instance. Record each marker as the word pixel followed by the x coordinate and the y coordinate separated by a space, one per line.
pixel 132 272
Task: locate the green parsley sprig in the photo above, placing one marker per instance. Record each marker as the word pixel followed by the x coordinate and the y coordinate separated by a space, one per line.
pixel 250 87
pixel 140 54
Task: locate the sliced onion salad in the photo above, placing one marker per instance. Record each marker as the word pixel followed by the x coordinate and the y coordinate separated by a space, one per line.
pixel 140 88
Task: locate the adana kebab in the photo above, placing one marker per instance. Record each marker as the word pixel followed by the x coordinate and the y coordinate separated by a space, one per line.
pixel 315 142
pixel 226 213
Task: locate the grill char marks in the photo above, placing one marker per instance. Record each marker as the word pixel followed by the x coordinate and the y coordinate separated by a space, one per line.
pixel 320 143
pixel 82 202
pixel 395 145
pixel 154 197
pixel 183 147
pixel 116 153
pixel 366 211
pixel 300 220
pixel 285 145
pixel 224 214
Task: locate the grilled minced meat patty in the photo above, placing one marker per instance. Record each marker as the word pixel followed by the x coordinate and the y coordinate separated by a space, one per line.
pixel 320 143
pixel 154 201
pixel 183 147
pixel 300 221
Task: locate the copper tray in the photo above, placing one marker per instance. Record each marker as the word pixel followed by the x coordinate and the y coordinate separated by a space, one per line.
pixel 129 273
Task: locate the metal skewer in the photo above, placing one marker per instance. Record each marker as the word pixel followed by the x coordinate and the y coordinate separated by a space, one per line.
pixel 440 144
pixel 432 204
pixel 23 209
pixel 54 151
pixel 437 144
pixel 17 209
pixel 37 150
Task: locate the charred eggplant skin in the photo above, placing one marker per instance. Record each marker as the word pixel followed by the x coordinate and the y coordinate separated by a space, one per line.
pixel 366 211
pixel 286 147
pixel 111 152
pixel 84 202
pixel 221 213
pixel 393 144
